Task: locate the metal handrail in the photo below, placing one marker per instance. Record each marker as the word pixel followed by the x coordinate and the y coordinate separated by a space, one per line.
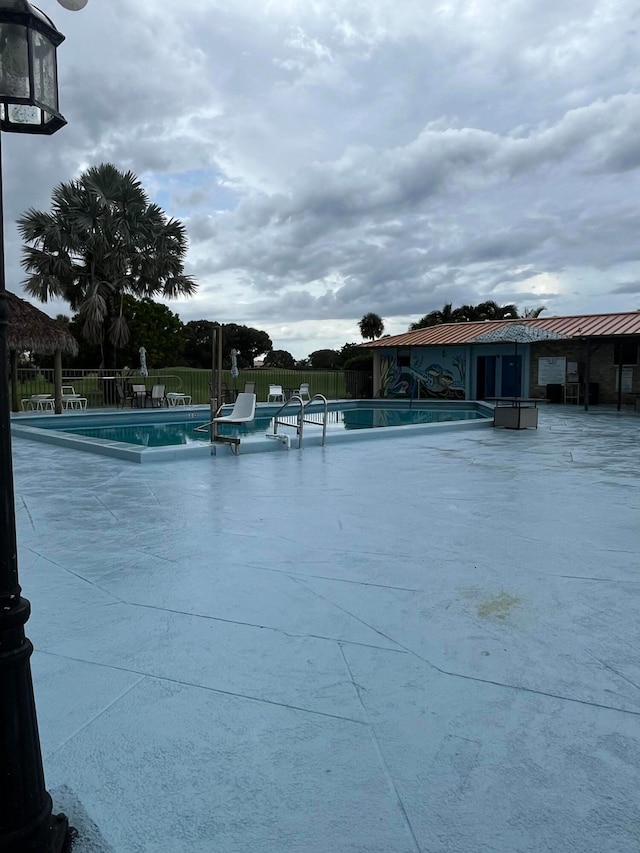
pixel 295 398
pixel 302 420
pixel 205 427
pixel 302 407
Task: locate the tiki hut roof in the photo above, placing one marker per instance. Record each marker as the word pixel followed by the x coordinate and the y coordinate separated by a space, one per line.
pixel 32 329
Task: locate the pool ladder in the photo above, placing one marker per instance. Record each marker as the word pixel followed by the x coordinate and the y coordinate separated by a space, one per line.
pixel 301 420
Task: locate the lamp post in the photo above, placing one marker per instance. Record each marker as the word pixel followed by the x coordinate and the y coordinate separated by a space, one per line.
pixel 28 104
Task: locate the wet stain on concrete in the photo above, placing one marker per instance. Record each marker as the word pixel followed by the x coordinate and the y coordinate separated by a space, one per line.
pixel 498 607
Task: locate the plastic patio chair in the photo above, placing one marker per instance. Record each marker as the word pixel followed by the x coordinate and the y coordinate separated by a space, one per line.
pixel 138 396
pixel 276 394
pixel 303 391
pixel 244 409
pixel 158 396
pixel 225 393
pixel 249 387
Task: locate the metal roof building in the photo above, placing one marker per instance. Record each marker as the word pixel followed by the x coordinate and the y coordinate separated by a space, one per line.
pixel 586 358
pixel 579 326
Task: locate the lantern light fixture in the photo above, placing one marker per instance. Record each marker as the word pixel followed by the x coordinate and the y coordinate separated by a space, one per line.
pixel 28 70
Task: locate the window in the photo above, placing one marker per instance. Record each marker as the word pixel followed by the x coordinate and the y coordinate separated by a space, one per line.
pixel 404 360
pixel 625 352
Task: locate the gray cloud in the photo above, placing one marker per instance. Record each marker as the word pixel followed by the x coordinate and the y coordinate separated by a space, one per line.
pixel 334 158
pixel 630 287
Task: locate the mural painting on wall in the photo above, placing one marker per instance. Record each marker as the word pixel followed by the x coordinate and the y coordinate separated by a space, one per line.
pixel 392 381
pixel 438 374
pixel 442 373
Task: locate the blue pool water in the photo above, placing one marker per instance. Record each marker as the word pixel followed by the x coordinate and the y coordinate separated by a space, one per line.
pixel 146 434
pixel 153 434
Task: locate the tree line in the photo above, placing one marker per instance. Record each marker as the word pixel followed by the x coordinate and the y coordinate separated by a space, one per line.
pixel 171 343
pixel 167 340
pixel 489 310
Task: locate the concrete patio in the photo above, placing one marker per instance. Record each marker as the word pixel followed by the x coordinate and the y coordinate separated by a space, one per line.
pixel 425 644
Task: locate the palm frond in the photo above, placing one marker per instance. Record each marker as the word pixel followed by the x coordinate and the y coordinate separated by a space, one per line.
pixel 93 312
pixel 119 331
pixel 43 287
pixel 181 285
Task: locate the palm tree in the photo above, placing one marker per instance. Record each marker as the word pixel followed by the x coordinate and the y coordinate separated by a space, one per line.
pixel 435 318
pixel 489 310
pixel 532 313
pixel 371 326
pixel 101 240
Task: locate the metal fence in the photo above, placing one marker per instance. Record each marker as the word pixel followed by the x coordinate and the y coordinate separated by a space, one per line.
pixel 100 386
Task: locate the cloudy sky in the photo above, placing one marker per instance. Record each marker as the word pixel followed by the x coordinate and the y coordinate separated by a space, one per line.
pixel 334 157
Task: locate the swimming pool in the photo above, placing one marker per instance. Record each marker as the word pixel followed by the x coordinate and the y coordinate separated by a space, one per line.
pixel 152 435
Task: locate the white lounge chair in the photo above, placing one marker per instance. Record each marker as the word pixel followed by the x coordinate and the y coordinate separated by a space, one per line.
pixel 39 402
pixel 175 398
pixel 71 400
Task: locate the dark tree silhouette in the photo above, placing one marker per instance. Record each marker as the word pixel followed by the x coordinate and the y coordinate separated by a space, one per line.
pixel 483 311
pixel 371 326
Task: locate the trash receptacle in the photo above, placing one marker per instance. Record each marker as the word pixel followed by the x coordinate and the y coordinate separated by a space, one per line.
pixel 109 390
pixel 594 393
pixel 554 393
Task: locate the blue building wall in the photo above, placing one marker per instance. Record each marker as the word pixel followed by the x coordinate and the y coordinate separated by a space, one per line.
pixel 451 373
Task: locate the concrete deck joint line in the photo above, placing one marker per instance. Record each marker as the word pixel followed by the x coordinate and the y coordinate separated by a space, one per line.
pixel 104 710
pixel 355 618
pixel 532 690
pixel 217 690
pixel 383 763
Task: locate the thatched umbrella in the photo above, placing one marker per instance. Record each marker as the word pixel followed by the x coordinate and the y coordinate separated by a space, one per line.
pixel 32 329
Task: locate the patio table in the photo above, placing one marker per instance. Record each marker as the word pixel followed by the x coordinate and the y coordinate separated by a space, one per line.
pixel 515 412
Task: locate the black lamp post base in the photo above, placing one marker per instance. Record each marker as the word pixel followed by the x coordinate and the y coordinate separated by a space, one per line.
pixel 62 835
pixel 53 836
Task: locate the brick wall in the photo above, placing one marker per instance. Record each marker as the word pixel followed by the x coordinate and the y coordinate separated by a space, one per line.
pixel 602 370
